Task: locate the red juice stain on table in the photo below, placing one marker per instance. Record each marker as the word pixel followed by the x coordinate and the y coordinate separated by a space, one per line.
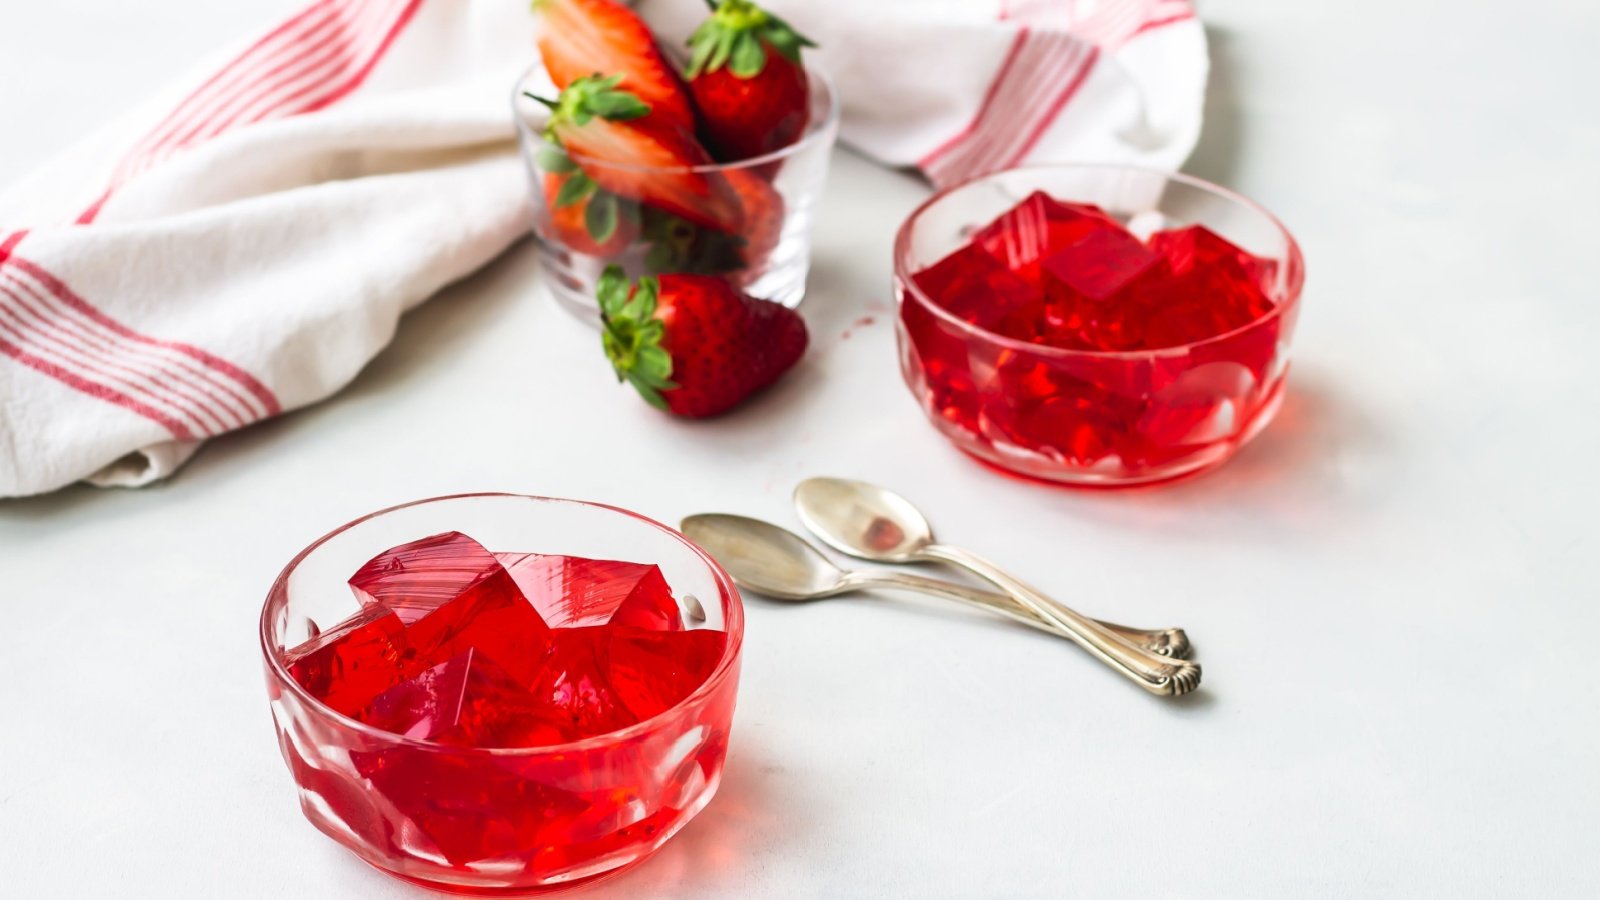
pixel 461 647
pixel 1129 392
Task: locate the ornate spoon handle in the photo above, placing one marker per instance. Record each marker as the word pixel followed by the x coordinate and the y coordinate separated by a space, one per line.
pixel 1165 641
pixel 1156 674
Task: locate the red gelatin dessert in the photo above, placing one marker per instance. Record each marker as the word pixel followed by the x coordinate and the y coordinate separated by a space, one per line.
pixel 458 645
pixel 1056 342
pixel 462 648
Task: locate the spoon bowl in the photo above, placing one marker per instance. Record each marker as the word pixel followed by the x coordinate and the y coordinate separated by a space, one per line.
pixel 863 520
pixel 766 558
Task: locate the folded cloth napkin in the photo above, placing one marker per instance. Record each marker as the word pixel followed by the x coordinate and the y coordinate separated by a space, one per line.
pixel 244 242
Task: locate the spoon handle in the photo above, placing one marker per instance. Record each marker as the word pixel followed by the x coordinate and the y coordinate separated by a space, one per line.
pixel 1156 674
pixel 1165 641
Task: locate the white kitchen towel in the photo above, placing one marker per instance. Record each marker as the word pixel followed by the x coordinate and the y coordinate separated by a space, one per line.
pixel 959 88
pixel 244 242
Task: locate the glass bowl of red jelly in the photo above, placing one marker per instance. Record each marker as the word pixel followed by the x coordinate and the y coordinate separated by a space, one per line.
pixel 1096 324
pixel 503 694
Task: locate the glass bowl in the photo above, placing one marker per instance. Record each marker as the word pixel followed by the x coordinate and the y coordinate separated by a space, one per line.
pixel 1095 417
pixel 768 259
pixel 485 821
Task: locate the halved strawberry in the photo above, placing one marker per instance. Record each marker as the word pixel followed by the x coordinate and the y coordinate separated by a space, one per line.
pixel 613 138
pixel 747 80
pixel 578 38
pixel 693 344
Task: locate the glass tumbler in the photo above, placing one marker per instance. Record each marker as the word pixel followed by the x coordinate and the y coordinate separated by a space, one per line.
pixel 767 255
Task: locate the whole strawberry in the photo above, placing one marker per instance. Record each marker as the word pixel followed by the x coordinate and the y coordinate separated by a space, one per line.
pixel 693 344
pixel 747 80
pixel 612 137
pixel 578 38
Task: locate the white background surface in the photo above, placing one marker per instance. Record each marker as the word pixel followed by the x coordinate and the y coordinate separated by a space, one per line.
pixel 1393 591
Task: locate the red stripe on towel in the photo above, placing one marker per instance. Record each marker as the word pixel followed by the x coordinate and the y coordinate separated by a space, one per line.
pixel 41 329
pixel 93 388
pixel 54 330
pixel 268 402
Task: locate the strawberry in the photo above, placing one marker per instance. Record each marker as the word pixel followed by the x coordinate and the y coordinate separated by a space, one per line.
pixel 585 218
pixel 578 38
pixel 680 246
pixel 747 81
pixel 612 137
pixel 693 344
pixel 762 213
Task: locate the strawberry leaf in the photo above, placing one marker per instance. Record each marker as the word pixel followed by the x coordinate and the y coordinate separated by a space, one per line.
pixel 654 366
pixel 600 218
pixel 738 34
pixel 612 290
pixel 574 189
pixel 722 46
pixel 553 159
pixel 618 106
pixel 749 58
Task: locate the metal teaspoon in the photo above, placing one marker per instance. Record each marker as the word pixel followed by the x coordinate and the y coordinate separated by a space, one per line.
pixel 876 524
pixel 774 561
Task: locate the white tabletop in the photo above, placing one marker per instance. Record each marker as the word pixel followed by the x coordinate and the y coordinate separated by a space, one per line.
pixel 1393 590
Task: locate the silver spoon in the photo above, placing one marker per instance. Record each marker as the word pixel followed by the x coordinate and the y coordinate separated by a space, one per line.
pixel 876 524
pixel 774 561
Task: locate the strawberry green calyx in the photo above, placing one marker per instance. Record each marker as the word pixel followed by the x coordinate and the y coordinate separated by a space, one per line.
pixel 587 98
pixel 734 36
pixel 632 335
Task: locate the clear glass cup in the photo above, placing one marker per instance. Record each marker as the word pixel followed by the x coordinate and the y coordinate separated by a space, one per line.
pixel 1086 417
pixel 768 259
pixel 542 818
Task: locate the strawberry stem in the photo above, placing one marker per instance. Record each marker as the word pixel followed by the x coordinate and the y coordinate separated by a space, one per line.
pixel 551 104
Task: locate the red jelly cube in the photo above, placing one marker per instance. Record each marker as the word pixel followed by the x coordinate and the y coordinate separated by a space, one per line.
pixel 570 591
pixel 416 578
pixel 1099 265
pixel 468 701
pixel 348 665
pixel 457 596
pixel 976 287
pixel 652 671
pixel 1203 406
pixel 607 677
pixel 1214 287
pixel 575 684
pixel 493 618
pixel 1197 246
pixel 425 706
pixel 1040 225
pixel 471 812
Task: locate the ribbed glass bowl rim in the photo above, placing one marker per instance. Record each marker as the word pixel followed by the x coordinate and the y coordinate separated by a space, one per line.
pixel 1295 264
pixel 817 130
pixel 733 625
